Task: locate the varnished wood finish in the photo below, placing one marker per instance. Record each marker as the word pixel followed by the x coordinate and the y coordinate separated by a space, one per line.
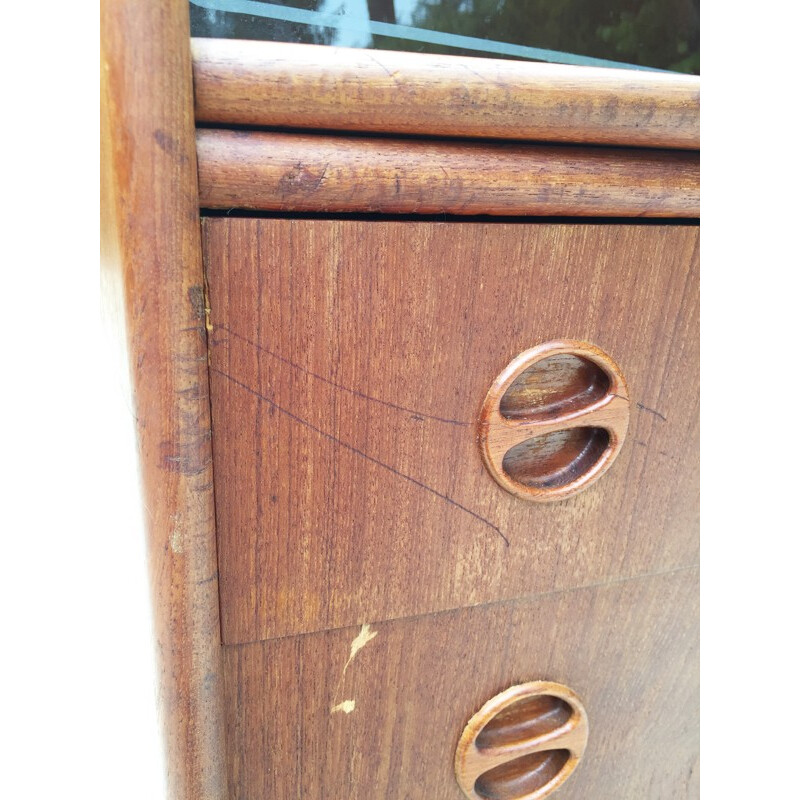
pixel 304 172
pixel 307 86
pixel 565 421
pixel 350 361
pixel 523 743
pixel 151 251
pixel 629 650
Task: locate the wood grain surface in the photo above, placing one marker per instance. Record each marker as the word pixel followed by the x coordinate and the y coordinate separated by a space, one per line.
pixel 151 258
pixel 308 172
pixel 308 86
pixel 349 364
pixel 308 722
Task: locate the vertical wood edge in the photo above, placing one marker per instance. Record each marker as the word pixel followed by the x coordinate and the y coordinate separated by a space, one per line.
pixel 151 253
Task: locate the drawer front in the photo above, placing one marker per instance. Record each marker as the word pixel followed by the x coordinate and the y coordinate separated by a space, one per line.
pixel 349 363
pixel 306 721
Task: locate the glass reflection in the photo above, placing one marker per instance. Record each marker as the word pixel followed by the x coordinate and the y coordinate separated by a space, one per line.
pixel 638 34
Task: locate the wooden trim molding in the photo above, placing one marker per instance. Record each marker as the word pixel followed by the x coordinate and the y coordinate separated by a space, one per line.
pixel 151 250
pixel 273 84
pixel 307 172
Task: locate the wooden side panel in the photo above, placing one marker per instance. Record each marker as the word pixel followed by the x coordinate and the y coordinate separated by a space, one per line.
pixel 302 172
pixel 350 361
pixel 331 88
pixel 151 256
pixel 629 650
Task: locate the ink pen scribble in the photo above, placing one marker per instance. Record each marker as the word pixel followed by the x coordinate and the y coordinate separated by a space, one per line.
pixel 415 414
pixel 360 453
pixel 652 411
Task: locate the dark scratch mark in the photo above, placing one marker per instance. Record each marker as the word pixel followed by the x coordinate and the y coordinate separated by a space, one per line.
pixel 483 77
pixel 192 391
pixel 652 411
pixel 382 66
pixel 208 580
pixel 660 452
pixel 321 177
pixel 352 449
pixel 414 413
pixel 476 74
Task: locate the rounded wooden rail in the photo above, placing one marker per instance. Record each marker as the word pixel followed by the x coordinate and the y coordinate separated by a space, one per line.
pixel 319 173
pixel 272 84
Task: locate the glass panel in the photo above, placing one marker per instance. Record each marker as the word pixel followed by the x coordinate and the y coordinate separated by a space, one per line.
pixel 632 34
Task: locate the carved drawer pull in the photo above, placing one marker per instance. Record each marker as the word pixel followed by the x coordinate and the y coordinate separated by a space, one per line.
pixel 523 744
pixel 554 420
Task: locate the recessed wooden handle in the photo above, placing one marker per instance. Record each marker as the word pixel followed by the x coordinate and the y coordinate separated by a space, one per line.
pixel 523 744
pixel 554 420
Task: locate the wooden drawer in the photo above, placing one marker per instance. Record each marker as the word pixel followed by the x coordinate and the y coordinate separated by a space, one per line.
pixel 630 649
pixel 349 362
